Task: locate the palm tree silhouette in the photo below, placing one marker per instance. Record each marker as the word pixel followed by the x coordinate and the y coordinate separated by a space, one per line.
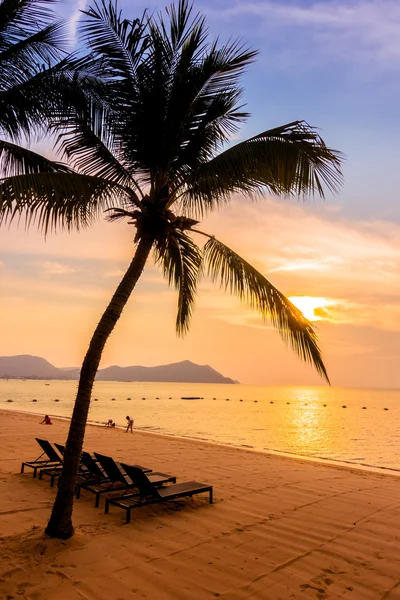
pixel 150 143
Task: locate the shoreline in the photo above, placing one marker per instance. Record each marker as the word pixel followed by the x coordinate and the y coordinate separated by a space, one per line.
pixel 391 471
pixel 280 528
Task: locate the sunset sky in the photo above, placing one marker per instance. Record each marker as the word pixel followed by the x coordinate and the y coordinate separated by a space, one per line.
pixel 335 64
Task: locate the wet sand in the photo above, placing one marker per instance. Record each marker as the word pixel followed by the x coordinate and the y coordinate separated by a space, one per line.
pixel 280 528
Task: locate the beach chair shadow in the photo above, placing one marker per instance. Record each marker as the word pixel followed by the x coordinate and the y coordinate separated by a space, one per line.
pixel 151 494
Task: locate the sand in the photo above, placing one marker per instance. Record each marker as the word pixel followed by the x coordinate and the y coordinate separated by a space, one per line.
pixel 280 528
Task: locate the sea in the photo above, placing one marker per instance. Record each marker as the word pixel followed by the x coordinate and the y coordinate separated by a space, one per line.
pixel 360 427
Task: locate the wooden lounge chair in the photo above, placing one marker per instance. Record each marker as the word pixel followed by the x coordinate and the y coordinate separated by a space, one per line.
pixel 53 458
pixel 149 493
pixel 117 480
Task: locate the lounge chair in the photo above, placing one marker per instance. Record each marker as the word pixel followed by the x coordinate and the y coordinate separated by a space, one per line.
pixel 89 470
pixel 149 493
pixel 117 480
pixel 54 472
pixel 53 458
pixel 114 471
pixel 60 448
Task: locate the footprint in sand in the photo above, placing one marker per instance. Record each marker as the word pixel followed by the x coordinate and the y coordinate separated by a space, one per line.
pixel 306 586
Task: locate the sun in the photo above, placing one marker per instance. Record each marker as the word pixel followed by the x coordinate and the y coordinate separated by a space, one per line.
pixel 309 305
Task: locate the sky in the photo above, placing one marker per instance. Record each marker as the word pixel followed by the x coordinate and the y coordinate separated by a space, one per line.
pixel 335 64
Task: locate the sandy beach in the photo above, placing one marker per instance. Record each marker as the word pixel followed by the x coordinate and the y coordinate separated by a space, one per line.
pixel 280 528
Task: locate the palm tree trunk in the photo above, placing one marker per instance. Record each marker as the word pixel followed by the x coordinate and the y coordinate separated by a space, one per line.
pixel 60 523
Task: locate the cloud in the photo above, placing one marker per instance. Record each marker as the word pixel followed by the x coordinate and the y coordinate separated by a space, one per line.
pixel 73 19
pixel 369 28
pixel 115 273
pixel 55 268
pixel 354 266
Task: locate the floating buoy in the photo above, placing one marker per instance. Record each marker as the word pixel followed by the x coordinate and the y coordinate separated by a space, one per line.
pixel 129 398
pixel 364 408
pixel 287 402
pixel 96 399
pixel 385 409
pixel 240 400
pixel 227 399
pixel 143 398
pixel 56 400
pixel 214 398
pixel 113 399
pixel 324 404
pixel 271 401
pixel 169 398
pixel 34 400
pixel 157 398
pixel 10 400
pixel 255 400
pixel 344 406
pixel 306 404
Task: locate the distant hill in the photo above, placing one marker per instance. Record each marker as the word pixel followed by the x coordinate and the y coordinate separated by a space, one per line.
pixel 28 367
pixel 25 366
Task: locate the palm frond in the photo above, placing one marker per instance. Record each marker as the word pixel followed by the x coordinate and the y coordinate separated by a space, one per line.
pixel 16 160
pixel 180 260
pixel 288 160
pixel 29 53
pixel 243 280
pixel 23 107
pixel 192 90
pixel 86 138
pixel 57 200
pixel 180 30
pixel 26 16
pixel 119 41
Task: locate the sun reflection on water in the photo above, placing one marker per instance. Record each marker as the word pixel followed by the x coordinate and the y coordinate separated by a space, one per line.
pixel 307 421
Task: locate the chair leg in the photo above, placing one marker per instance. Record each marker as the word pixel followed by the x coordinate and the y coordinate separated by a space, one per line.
pixel 211 496
pixel 40 475
pixel 78 491
pixel 52 481
pixel 34 471
pixel 22 467
pixel 97 500
pixel 106 507
pixel 128 515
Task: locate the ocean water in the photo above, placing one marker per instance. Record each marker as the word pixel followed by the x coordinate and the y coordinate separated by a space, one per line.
pixel 317 422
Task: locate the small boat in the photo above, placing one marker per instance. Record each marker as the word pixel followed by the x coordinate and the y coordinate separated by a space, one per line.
pixel 191 398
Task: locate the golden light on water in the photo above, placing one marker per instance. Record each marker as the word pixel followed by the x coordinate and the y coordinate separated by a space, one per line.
pixel 310 306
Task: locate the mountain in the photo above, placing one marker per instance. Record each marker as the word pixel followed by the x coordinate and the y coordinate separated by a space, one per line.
pixel 28 367
pixel 34 367
pixel 185 372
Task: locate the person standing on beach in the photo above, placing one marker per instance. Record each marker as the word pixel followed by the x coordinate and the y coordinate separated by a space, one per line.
pixel 130 424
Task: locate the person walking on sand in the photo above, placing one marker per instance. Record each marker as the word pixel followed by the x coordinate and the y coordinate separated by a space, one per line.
pixel 130 424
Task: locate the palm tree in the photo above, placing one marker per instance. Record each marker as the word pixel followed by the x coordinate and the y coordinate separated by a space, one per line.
pixel 153 148
pixel 31 45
